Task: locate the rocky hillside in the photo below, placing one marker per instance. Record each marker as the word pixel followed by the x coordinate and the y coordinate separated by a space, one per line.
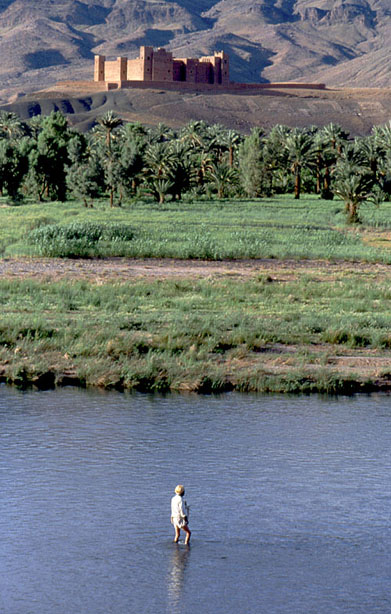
pixel 341 42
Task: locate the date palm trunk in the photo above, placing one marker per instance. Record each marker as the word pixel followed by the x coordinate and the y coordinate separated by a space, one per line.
pixel 297 182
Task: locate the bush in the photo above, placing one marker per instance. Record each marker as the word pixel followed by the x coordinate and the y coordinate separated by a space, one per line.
pixel 79 239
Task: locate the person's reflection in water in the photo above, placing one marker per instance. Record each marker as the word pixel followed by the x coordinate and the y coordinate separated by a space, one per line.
pixel 176 577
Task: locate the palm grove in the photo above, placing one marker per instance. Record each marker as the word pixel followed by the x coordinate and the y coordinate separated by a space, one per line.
pixel 48 160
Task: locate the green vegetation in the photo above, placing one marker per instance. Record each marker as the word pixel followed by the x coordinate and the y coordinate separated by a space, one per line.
pixel 200 193
pixel 45 159
pixel 275 227
pixel 281 333
pixel 79 239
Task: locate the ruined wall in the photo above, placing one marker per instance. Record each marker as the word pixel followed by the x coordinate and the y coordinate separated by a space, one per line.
pixel 208 87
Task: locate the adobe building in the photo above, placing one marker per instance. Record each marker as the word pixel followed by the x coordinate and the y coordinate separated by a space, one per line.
pixel 160 66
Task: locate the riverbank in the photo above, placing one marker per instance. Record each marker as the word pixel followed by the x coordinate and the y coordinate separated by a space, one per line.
pixel 283 296
pixel 196 326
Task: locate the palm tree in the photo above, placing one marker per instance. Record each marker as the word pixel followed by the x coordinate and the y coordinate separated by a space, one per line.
pixel 353 189
pixel 370 151
pixel 182 168
pixel 222 177
pixel 195 134
pixel 160 188
pixel 335 137
pixel 105 134
pixel 231 140
pixel 161 133
pixel 217 141
pixel 275 155
pixel 204 164
pixel 326 157
pixel 11 126
pixel 301 154
pixel 158 159
pixel 382 135
pixel 107 125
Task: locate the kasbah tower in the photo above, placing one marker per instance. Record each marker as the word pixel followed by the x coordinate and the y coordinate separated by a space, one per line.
pixel 160 66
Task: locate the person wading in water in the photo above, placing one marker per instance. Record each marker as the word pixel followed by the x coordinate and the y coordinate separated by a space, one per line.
pixel 180 514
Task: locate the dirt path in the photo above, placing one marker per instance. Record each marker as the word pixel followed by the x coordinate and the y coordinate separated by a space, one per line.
pixel 122 269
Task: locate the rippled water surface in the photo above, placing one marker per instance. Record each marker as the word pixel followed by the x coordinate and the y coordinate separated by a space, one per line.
pixel 290 504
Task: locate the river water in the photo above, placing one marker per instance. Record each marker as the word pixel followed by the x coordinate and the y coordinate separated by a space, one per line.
pixel 290 504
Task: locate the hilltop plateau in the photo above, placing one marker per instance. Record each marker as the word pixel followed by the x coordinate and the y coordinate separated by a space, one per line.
pixel 355 109
pixel 340 42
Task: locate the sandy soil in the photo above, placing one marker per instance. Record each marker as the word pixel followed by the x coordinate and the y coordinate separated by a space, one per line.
pixel 122 269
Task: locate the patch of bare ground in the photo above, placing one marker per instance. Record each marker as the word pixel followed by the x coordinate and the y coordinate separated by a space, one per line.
pixel 362 365
pixel 123 269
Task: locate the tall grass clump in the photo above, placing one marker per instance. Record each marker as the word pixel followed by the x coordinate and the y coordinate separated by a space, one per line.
pixel 80 239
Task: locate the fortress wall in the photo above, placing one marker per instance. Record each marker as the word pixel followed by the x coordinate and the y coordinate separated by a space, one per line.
pixel 204 72
pixel 191 69
pixel 162 66
pixel 116 70
pixel 85 86
pixel 146 57
pixel 211 88
pixel 111 71
pixel 159 69
pixel 178 70
pixel 224 67
pixel 99 68
pixel 289 85
pixel 135 70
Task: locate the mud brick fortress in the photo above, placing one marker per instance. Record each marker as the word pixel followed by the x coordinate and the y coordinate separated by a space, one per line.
pixel 161 67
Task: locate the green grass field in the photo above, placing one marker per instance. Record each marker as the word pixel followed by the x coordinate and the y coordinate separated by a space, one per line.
pixel 320 327
pixel 255 334
pixel 278 227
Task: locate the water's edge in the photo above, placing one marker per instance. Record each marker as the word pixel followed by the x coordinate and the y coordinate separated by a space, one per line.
pixel 292 383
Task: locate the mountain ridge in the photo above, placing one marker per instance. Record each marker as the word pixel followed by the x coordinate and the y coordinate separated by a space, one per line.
pixel 340 42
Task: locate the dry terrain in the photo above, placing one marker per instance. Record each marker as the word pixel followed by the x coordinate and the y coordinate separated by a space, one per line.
pixel 355 109
pixel 340 42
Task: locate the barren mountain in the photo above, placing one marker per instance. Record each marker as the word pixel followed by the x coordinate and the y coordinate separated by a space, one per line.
pixel 341 42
